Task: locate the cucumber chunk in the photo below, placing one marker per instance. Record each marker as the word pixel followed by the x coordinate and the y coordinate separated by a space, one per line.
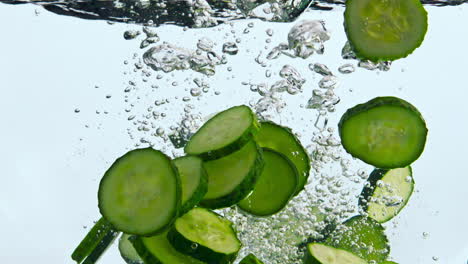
pixel 193 179
pixel 381 30
pixel 158 250
pixel 92 240
pixel 206 236
pixel 323 254
pixel 275 186
pixel 283 140
pixel 101 247
pixel 362 236
pixel 233 177
pixel 224 133
pixel 140 193
pixel 387 193
pixel 127 251
pixel 250 259
pixel 386 132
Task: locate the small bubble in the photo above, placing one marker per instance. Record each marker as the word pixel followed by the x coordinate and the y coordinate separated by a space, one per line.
pixel 425 235
pixel 77 110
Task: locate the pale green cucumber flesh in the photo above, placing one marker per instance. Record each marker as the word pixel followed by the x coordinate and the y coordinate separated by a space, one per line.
pixel 140 193
pixel 275 186
pixel 233 177
pixel 127 251
pixel 193 180
pixel 283 140
pixel 223 134
pixel 323 254
pixel 381 30
pixel 387 193
pixel 386 132
pixel 362 236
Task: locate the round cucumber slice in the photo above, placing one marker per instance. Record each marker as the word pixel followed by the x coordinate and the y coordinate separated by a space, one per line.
pixel 283 140
pixel 386 132
pixel 362 236
pixel 323 254
pixel 158 250
pixel 387 192
pixel 140 193
pixel 224 133
pixel 233 177
pixel 275 187
pixel 127 251
pixel 193 179
pixel 250 259
pixel 204 235
pixel 381 30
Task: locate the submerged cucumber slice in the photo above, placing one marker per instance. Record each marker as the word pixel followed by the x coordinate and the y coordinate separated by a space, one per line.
pixel 158 250
pixel 283 140
pixel 387 193
pixel 275 186
pixel 140 193
pixel 362 236
pixel 193 179
pixel 386 132
pixel 250 259
pixel 127 251
pixel 206 236
pixel 323 254
pixel 381 30
pixel 101 247
pixel 233 177
pixel 224 133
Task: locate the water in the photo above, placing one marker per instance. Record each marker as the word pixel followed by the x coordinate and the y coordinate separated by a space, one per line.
pixel 80 93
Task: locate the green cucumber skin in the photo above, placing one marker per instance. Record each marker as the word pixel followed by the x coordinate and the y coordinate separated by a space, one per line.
pixel 369 189
pixel 124 252
pixel 303 176
pixel 361 54
pixel 376 102
pixel 233 146
pixel 250 259
pixel 178 198
pixel 243 189
pixel 198 195
pixel 101 247
pixel 92 239
pixel 205 254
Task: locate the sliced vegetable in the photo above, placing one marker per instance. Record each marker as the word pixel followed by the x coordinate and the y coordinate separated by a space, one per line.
pixel 140 193
pixel 158 250
pixel 92 240
pixel 387 192
pixel 233 177
pixel 323 254
pixel 250 259
pixel 283 140
pixel 381 30
pixel 388 262
pixel 101 247
pixel 224 133
pixel 193 179
pixel 275 186
pixel 206 236
pixel 127 251
pixel 386 132
pixel 362 236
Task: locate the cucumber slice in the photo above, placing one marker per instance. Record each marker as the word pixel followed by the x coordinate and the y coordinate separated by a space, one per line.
pixel 127 251
pixel 386 132
pixel 140 193
pixel 158 250
pixel 283 140
pixel 250 259
pixel 92 240
pixel 362 236
pixel 275 187
pixel 387 193
pixel 206 236
pixel 323 254
pixel 233 177
pixel 381 30
pixel 101 247
pixel 193 179
pixel 223 134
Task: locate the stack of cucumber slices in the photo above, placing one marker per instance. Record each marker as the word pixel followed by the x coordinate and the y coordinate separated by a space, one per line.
pixel 164 207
